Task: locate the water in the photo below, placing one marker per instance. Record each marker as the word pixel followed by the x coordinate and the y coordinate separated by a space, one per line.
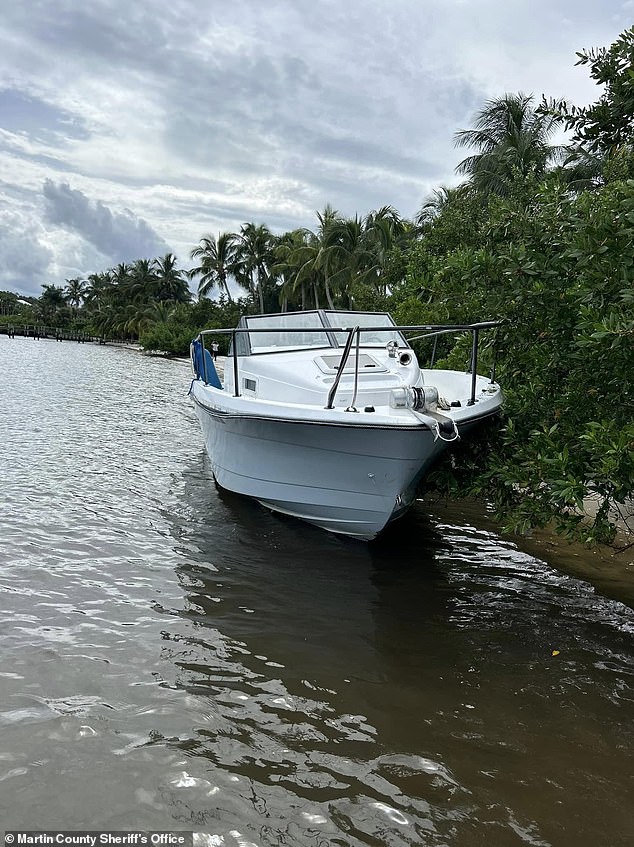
pixel 174 657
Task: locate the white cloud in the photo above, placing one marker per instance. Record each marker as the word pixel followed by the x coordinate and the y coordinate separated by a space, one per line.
pixel 24 259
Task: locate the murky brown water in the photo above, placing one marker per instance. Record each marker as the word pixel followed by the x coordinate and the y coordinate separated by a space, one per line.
pixel 173 657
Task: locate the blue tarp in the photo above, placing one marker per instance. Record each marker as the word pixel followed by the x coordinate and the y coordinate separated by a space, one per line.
pixel 199 368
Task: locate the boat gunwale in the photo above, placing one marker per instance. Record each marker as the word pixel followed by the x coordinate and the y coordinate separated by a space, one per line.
pixel 415 426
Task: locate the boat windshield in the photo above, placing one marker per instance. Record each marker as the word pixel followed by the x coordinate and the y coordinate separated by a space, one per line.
pixel 283 332
pixel 371 337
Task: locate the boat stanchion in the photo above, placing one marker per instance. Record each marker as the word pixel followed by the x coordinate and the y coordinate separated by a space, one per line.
pixel 342 364
pixel 474 365
pixel 236 383
pixel 352 407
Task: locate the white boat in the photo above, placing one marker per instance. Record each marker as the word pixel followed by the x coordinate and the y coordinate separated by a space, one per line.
pixel 328 417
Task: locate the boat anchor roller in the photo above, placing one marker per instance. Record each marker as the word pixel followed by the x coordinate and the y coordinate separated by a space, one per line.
pixel 425 402
pixel 443 426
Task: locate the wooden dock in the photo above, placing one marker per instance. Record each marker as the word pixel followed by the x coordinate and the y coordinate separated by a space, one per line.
pixel 51 333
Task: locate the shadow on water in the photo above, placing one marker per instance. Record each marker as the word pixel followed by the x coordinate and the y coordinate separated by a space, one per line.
pixel 407 691
pixel 289 650
pixel 300 593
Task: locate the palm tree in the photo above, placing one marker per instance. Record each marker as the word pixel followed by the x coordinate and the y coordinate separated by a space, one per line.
pixel 254 257
pixel 76 291
pixel 582 169
pixel 51 301
pixel 120 275
pixel 142 282
pixel 512 140
pixel 138 318
pixel 312 261
pixel 354 252
pixel 308 277
pixel 288 262
pixel 385 226
pixel 437 202
pixel 383 231
pixel 103 323
pixel 309 260
pixel 344 257
pixel 103 301
pixel 97 288
pixel 170 283
pixel 217 256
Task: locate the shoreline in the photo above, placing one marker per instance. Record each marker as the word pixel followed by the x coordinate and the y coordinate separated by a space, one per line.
pixel 608 569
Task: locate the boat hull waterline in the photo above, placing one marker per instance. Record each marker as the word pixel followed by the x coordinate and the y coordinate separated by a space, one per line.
pixel 346 478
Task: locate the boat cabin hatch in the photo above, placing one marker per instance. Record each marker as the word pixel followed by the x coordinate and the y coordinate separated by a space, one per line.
pixel 332 364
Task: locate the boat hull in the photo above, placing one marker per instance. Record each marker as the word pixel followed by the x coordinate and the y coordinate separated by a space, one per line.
pixel 345 478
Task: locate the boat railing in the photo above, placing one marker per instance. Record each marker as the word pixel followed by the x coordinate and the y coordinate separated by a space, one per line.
pixel 354 338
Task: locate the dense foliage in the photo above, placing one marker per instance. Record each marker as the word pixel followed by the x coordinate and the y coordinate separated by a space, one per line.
pixel 541 236
pixel 560 271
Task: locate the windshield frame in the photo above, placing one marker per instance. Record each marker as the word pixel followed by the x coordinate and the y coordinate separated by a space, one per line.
pixel 317 338
pixel 333 323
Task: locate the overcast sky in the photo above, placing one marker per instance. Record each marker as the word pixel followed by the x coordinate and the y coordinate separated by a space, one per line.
pixel 130 128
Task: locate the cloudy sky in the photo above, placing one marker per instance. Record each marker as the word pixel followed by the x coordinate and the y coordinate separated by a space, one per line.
pixel 130 128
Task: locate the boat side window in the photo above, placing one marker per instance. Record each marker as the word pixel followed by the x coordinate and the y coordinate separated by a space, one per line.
pixel 242 342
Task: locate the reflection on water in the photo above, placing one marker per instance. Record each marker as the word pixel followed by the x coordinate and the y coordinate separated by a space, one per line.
pixel 174 656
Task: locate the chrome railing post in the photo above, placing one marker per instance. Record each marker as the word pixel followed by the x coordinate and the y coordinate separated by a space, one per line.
pixel 342 363
pixel 351 407
pixel 236 383
pixel 474 365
